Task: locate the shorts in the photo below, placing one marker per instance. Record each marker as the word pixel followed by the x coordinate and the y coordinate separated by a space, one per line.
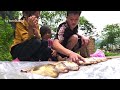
pixel 77 47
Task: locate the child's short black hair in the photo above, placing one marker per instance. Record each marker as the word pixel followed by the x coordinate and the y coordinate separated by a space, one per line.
pixel 74 12
pixel 44 30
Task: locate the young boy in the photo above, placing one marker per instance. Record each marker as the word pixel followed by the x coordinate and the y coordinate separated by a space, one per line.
pixel 27 44
pixel 67 40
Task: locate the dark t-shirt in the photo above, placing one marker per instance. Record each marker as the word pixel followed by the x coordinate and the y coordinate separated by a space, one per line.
pixel 64 33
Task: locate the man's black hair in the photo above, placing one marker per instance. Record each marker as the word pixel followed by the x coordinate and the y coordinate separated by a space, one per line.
pixel 74 12
pixel 27 13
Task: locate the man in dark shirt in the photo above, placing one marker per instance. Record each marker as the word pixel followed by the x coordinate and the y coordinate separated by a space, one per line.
pixel 67 40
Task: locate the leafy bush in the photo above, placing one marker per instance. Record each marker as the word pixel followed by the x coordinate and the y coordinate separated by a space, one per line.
pixel 6 37
pixel 111 54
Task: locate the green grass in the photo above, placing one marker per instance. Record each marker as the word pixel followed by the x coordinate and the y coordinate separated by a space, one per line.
pixel 111 54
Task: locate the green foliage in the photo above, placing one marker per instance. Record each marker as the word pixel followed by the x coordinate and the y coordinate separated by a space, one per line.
pixel 111 54
pixel 11 15
pixel 6 33
pixel 86 26
pixel 111 36
pixel 52 18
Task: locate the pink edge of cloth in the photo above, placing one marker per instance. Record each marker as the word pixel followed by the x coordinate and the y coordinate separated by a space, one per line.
pixel 16 60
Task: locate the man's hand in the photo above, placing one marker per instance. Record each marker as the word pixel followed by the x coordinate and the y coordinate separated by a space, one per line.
pixel 32 21
pixel 85 40
pixel 33 25
pixel 76 57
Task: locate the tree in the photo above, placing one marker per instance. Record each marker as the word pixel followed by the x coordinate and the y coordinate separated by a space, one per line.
pixel 111 35
pixel 52 18
pixel 86 26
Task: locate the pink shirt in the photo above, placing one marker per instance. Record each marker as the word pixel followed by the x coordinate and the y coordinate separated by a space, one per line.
pixel 50 43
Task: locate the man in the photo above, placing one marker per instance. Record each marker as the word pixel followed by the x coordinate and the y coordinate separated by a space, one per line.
pixel 67 41
pixel 27 45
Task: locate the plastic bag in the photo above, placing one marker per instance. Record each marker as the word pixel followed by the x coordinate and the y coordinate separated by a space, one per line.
pixel 98 53
pixel 16 60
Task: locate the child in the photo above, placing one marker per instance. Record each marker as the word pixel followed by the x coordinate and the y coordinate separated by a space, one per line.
pixel 45 32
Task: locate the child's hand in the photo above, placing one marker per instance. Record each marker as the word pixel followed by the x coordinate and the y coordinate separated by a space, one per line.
pixel 54 53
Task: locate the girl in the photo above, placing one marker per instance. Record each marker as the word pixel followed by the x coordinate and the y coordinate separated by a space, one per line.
pixel 45 32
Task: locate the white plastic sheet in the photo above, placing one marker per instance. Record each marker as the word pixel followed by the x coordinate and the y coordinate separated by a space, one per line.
pixel 105 70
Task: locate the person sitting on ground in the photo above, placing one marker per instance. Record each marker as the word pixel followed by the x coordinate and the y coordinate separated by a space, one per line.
pixel 27 44
pixel 67 40
pixel 46 34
